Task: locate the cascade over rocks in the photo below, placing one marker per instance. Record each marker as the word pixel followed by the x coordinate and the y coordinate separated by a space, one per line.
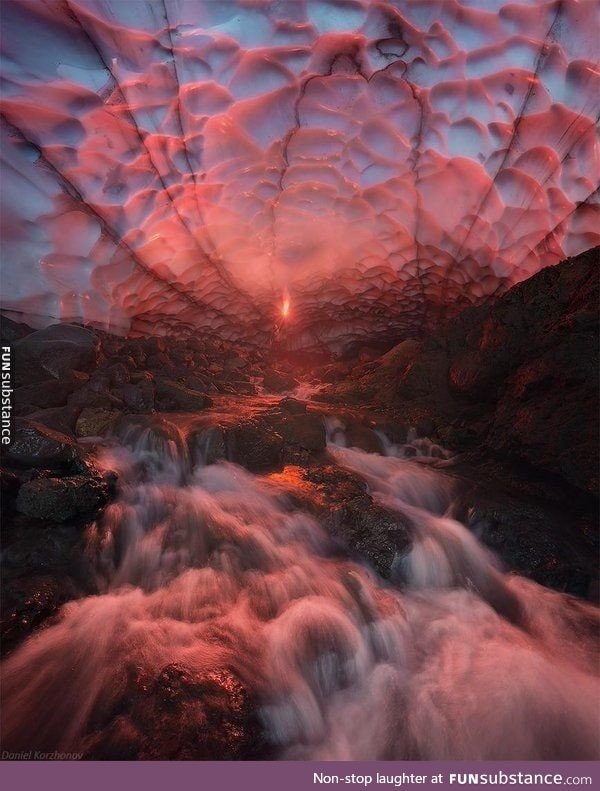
pixel 349 512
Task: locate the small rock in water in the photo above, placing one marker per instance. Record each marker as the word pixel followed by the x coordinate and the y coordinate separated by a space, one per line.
pixel 174 397
pixel 292 405
pixel 363 437
pixel 277 382
pixel 254 446
pixel 139 397
pixel 95 422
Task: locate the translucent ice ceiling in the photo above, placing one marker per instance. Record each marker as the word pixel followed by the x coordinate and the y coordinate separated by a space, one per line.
pixel 372 165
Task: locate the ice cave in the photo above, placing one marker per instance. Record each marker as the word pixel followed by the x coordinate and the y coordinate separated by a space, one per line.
pixel 299 315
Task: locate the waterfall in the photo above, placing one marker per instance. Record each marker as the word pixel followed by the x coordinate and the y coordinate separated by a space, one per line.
pixel 208 572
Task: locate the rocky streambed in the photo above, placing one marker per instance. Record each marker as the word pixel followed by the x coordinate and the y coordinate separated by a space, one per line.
pixel 222 488
pixel 235 579
pixel 57 483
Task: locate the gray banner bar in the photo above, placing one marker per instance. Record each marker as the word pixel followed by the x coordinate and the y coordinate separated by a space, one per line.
pixel 295 776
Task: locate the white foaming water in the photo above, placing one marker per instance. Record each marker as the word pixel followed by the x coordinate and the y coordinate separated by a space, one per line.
pixel 212 567
pixel 306 391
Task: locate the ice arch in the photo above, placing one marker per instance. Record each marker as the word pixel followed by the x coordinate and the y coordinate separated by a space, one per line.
pixel 188 164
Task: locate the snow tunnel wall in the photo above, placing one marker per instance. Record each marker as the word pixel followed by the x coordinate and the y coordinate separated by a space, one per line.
pixel 190 164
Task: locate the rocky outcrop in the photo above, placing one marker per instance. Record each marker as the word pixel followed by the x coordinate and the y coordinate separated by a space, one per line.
pixel 44 564
pixel 49 476
pixel 51 490
pixel 83 369
pixel 518 377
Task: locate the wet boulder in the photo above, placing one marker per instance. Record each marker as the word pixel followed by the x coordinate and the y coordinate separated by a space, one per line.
pixel 344 507
pixel 375 533
pixel 36 445
pixel 174 397
pixel 94 422
pixel 139 397
pixel 293 406
pixel 254 445
pixel 183 714
pixel 55 352
pixel 277 381
pixel 363 437
pixel 61 499
pixel 304 430
pixel 28 601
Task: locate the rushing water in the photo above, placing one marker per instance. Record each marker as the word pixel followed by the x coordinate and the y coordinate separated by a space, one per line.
pixel 211 567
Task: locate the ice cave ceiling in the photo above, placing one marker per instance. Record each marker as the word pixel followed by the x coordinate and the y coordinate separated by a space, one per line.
pixel 194 163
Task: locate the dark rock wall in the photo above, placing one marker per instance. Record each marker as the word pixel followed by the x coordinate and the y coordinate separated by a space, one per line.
pixel 518 378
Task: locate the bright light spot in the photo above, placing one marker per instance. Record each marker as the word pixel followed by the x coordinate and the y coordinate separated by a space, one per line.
pixel 285 308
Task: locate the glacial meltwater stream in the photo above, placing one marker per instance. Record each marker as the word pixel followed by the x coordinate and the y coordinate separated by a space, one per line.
pixel 217 587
